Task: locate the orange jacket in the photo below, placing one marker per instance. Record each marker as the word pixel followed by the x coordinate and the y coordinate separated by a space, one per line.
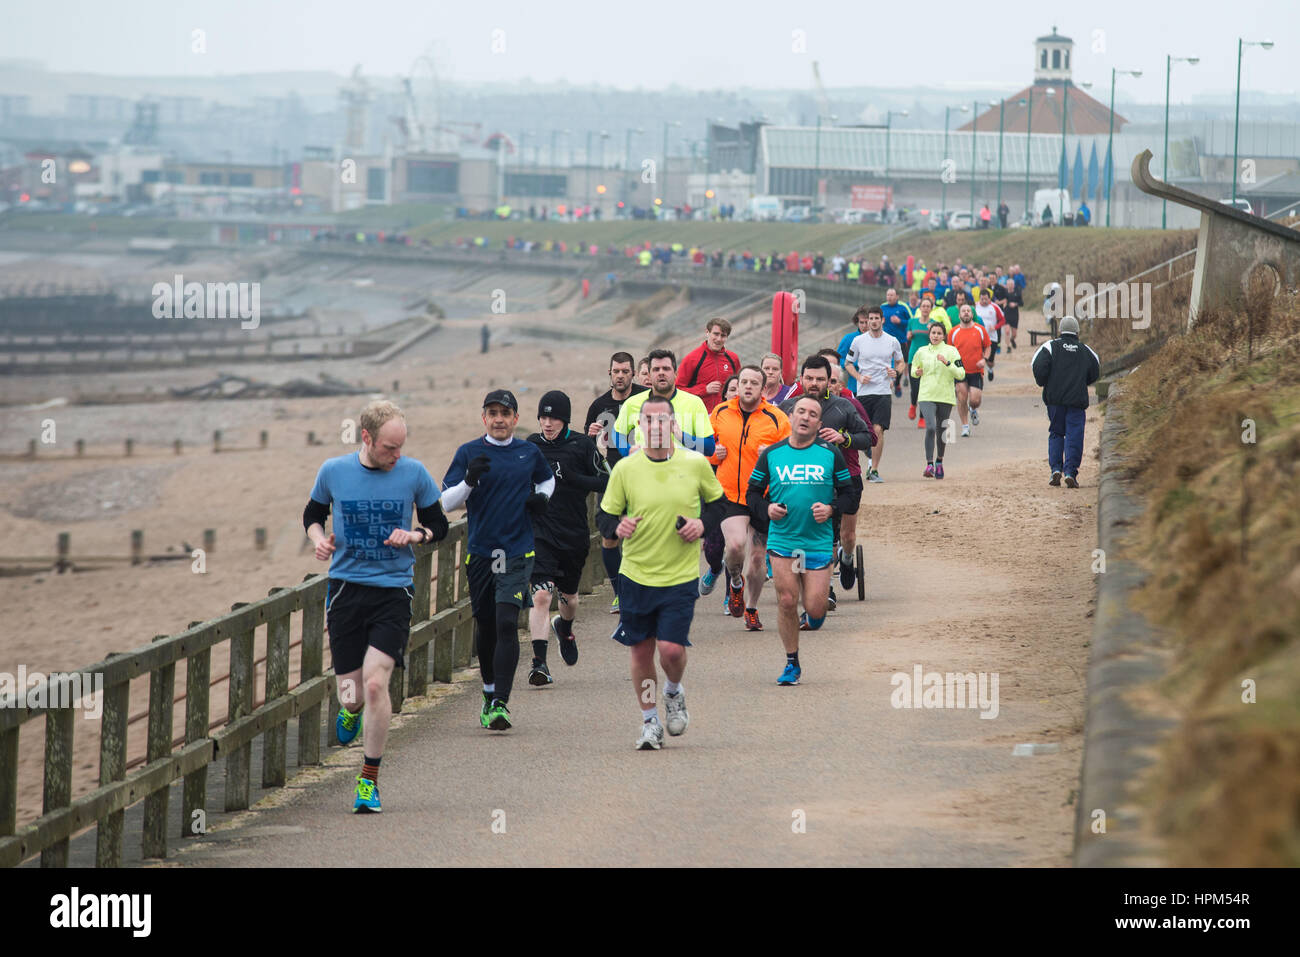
pixel 743 434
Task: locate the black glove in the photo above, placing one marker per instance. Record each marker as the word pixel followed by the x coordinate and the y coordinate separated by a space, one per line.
pixel 536 504
pixel 478 467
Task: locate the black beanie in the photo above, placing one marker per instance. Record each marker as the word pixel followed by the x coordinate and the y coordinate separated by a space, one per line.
pixel 556 405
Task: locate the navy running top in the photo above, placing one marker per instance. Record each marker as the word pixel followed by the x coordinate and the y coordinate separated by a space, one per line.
pixel 495 507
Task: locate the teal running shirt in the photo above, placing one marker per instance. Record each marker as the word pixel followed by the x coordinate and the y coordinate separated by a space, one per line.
pixel 797 479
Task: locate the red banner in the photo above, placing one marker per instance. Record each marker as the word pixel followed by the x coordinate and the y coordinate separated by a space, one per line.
pixel 871 197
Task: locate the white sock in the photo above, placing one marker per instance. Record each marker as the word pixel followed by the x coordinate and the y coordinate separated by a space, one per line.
pixel 488 689
pixel 672 687
pixel 650 714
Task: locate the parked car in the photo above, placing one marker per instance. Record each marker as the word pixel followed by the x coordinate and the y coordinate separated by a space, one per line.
pixel 1241 204
pixel 959 220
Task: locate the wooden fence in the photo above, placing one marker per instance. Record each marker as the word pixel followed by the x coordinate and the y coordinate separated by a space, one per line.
pixel 441 639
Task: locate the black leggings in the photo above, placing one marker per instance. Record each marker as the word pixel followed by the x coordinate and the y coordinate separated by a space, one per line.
pixel 496 634
pixel 916 388
pixel 935 415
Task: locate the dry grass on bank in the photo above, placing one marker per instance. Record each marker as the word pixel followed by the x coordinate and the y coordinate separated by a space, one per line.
pixel 1221 539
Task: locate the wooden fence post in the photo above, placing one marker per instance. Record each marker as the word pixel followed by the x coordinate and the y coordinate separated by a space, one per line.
pixel 417 662
pixel 444 645
pixel 209 540
pixel 130 447
pixel 8 781
pixel 216 441
pixel 274 740
pixel 259 539
pixel 263 438
pixel 64 547
pixel 81 447
pixel 58 776
pixel 177 446
pixel 137 546
pixel 194 792
pixel 310 666
pixel 240 704
pixel 162 696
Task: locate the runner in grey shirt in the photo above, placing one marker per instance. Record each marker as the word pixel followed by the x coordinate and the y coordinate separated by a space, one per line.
pixel 875 360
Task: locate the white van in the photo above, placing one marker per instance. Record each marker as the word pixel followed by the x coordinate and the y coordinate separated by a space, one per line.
pixel 1058 199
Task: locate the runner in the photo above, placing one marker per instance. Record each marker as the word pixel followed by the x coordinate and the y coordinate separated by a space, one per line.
pixel 643 373
pixel 841 427
pixel 1011 300
pixel 972 342
pixel 560 532
pixel 846 523
pixel 601 416
pixel 875 360
pixel 938 365
pixel 705 368
pixel 743 427
pixel 896 317
pixel 659 503
pixel 917 336
pixel 501 480
pixel 991 317
pixel 801 476
pixel 369 593
pixel 774 389
pixel 859 327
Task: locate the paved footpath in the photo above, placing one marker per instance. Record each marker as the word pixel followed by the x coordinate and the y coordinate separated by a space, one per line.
pixel 987 571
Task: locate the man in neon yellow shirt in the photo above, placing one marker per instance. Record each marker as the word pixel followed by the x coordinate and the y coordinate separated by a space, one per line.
pixel 653 502
pixel 694 430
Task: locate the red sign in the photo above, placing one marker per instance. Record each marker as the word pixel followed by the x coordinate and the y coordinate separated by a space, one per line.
pixel 871 197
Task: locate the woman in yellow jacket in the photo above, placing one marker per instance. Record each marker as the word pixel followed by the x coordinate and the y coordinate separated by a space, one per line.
pixel 938 366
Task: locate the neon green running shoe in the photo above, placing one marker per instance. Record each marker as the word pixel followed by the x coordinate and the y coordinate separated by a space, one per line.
pixel 485 716
pixel 367 799
pixel 347 725
pixel 498 716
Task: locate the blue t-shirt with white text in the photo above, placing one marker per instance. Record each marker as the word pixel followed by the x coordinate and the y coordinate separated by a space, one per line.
pixel 367 504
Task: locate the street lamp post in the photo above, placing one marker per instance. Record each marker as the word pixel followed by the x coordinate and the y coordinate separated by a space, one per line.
pixel 943 176
pixel 817 152
pixel 663 179
pixel 1164 166
pixel 1110 139
pixel 1002 115
pixel 889 117
pixel 1029 142
pixel 627 163
pixel 1236 116
pixel 974 140
pixel 586 171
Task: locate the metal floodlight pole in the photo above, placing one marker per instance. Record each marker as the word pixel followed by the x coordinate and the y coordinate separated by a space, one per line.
pixel 1236 116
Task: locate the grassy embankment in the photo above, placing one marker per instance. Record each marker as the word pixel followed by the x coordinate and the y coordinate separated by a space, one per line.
pixel 1214 438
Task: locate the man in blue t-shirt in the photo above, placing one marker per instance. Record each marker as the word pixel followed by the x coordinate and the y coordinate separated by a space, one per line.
pixel 368 597
pixel 896 315
pixel 502 481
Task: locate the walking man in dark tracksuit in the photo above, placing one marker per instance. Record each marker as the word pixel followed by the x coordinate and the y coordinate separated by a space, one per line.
pixel 1065 367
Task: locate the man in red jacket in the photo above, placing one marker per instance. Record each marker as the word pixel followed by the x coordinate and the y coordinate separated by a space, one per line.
pixel 705 369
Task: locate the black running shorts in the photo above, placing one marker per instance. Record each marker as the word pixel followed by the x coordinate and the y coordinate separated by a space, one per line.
pixel 366 616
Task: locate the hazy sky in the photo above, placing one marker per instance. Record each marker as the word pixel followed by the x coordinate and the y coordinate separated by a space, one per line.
pixel 694 43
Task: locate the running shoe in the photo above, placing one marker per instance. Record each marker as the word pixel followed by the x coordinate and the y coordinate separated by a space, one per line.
pixel 830 599
pixel 803 621
pixel 990 373
pixel 965 431
pixel 498 716
pixel 790 676
pixel 347 725
pixel 938 470
pixel 898 391
pixel 920 423
pixel 484 716
pixel 367 797
pixel 1056 479
pixel 568 646
pixel 707 581
pixel 928 473
pixel 751 621
pixel 540 675
pixel 848 575
pixel 1071 481
pixel 652 736
pixel 675 713
pixel 735 600
pixel 974 416
pixel 613 606
pixel 911 412
pixel 874 476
